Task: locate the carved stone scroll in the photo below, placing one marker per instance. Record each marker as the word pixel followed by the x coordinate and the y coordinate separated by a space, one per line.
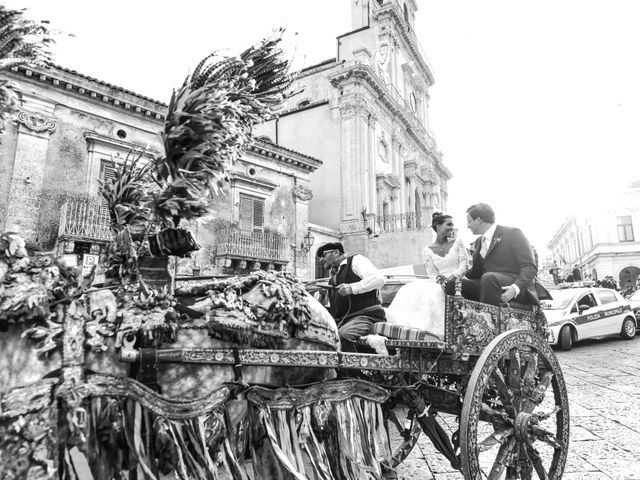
pixel 36 122
pixel 303 192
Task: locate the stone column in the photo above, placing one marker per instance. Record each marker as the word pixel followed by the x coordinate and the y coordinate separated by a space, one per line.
pixel 353 148
pixel 34 129
pixel 396 148
pixel 410 171
pixel 370 165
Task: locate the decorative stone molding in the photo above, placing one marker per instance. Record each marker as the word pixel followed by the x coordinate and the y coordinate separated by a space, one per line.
pixel 352 106
pixel 390 14
pixel 388 187
pixel 410 167
pixel 93 138
pixel 363 74
pixel 382 60
pixel 303 192
pixel 36 122
pixel 362 55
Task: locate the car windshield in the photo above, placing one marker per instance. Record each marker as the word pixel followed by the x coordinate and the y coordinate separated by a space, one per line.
pixel 561 299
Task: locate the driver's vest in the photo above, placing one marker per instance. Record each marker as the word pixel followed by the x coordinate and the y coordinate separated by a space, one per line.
pixel 342 308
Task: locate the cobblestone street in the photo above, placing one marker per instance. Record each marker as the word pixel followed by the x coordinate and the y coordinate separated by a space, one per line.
pixel 603 383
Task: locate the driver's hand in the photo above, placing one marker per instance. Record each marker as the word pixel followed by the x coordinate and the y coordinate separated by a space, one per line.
pixel 508 294
pixel 345 289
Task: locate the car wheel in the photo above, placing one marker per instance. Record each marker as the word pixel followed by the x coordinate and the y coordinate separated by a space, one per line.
pixel 565 341
pixel 628 329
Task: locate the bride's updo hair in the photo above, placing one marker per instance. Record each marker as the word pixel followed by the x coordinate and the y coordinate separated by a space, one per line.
pixel 438 218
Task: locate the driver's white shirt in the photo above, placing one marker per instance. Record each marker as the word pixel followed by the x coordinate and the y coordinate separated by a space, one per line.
pixel 371 277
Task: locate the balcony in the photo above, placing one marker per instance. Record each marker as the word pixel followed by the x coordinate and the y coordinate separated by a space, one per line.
pixel 399 222
pixel 247 245
pixel 84 220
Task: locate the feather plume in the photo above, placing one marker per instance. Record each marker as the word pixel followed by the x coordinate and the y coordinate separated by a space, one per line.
pixel 126 193
pixel 209 123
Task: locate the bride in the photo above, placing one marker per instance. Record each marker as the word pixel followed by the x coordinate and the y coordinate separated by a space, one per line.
pixel 420 304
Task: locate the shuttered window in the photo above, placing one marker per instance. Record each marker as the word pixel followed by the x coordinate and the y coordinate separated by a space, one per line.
pixel 251 212
pixel 107 171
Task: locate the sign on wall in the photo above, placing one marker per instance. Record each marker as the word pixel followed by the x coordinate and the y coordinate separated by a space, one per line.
pixel 89 260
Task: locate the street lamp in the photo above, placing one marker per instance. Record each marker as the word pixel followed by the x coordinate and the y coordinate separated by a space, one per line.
pixel 307 241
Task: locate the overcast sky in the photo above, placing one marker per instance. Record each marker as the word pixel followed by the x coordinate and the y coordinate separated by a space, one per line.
pixel 536 105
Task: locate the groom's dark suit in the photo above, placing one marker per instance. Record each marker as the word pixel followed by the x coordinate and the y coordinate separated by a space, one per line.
pixel 509 260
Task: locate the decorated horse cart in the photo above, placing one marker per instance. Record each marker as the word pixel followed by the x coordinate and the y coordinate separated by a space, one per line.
pixel 243 377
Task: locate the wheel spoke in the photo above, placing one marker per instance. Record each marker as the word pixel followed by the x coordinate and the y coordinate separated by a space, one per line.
pixel 502 459
pixel 515 377
pixel 546 436
pixel 396 422
pixel 497 437
pixel 542 416
pixel 503 392
pixel 533 400
pixel 524 464
pixel 529 378
pixel 534 456
pixel 491 415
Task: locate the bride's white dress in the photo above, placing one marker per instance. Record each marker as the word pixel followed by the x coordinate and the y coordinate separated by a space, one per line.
pixel 421 303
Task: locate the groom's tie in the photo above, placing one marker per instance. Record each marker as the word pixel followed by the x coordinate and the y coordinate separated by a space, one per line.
pixel 485 246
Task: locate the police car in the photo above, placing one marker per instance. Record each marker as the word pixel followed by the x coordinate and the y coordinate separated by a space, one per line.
pixel 634 300
pixel 583 311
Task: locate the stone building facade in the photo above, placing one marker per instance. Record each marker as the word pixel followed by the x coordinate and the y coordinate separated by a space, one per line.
pixel 71 131
pixel 365 115
pixel 603 240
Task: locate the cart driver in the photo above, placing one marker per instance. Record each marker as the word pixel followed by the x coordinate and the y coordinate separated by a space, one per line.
pixel 354 300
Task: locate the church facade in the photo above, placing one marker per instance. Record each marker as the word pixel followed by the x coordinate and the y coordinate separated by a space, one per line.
pixel 365 115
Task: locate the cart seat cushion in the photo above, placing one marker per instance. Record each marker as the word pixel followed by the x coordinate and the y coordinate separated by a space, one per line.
pixel 399 332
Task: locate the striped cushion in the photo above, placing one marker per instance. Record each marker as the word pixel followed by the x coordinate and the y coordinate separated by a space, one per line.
pixel 399 332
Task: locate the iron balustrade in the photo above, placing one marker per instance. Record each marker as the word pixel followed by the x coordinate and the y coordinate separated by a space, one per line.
pixel 251 245
pixel 399 222
pixel 86 219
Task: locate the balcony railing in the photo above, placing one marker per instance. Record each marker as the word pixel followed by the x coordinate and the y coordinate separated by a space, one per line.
pixel 257 245
pixel 84 220
pixel 399 222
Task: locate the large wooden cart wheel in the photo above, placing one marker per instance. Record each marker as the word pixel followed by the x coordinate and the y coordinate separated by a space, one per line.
pixel 404 430
pixel 515 416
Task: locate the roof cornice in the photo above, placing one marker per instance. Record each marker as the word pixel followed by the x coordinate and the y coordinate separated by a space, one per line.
pixel 393 11
pixel 285 155
pixel 72 82
pixel 318 67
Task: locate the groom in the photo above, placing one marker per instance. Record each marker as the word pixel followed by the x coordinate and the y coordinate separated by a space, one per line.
pixel 504 268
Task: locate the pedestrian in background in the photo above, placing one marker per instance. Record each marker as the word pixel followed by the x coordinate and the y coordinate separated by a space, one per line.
pixel 555 272
pixel 577 276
